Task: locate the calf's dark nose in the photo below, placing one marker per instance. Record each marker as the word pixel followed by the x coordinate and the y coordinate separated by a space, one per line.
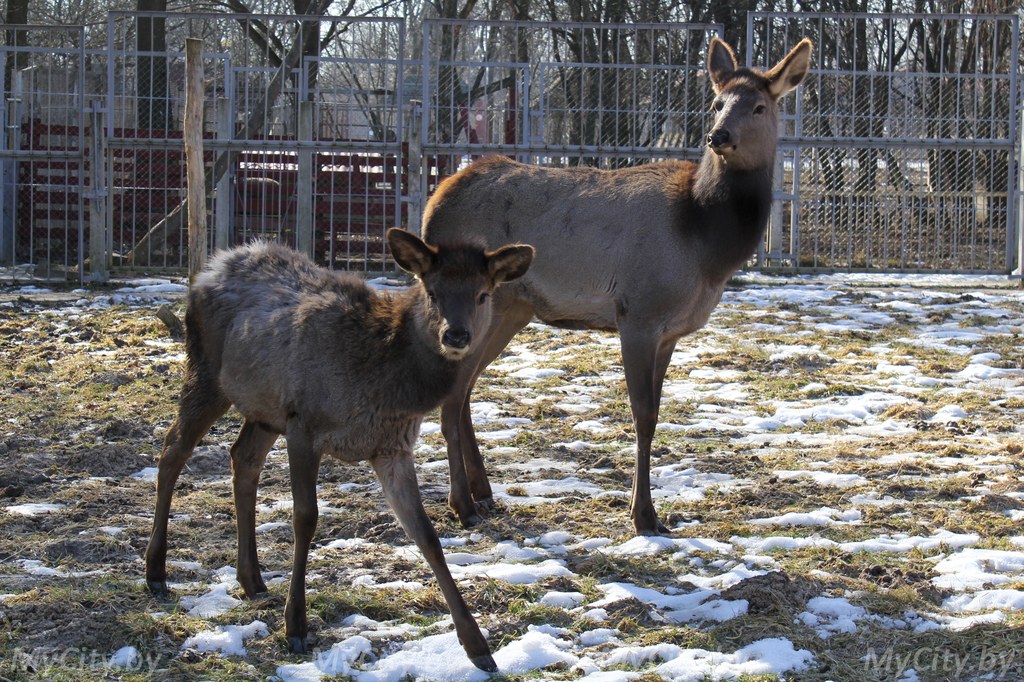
pixel 456 338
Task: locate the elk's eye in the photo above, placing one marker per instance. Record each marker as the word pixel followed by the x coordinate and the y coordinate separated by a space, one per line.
pixel 717 105
pixel 482 298
pixel 759 109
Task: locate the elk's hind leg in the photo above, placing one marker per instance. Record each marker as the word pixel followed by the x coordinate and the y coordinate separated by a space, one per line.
pixel 201 404
pixel 397 477
pixel 248 455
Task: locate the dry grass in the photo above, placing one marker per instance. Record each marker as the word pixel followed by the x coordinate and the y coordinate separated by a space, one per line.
pixel 85 397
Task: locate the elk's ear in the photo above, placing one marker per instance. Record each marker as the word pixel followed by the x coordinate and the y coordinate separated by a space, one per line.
pixel 410 252
pixel 790 72
pixel 721 63
pixel 509 262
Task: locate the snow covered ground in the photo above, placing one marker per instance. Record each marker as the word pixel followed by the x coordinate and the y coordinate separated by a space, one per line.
pixel 839 461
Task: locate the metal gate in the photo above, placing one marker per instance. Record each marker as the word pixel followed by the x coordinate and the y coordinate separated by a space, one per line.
pixel 43 167
pixel 304 130
pixel 900 151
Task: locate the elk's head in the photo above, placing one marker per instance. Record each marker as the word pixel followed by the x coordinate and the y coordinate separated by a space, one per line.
pixel 746 104
pixel 458 280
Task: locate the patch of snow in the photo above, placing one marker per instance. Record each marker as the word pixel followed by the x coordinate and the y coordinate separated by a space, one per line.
pixel 228 640
pixel 125 657
pixel 216 602
pixel 825 516
pixel 337 661
pixel 831 615
pixel 34 508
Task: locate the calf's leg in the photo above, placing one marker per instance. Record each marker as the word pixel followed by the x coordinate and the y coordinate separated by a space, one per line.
pixel 303 466
pixel 198 409
pixel 398 479
pixel 248 455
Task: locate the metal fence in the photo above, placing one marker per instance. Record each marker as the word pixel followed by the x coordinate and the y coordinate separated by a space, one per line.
pixel 44 168
pixel 902 148
pixel 900 152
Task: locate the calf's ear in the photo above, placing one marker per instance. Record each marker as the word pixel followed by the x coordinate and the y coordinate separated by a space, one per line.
pixel 509 262
pixel 410 252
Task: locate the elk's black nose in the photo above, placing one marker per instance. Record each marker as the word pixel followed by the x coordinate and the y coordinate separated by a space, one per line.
pixel 456 338
pixel 718 138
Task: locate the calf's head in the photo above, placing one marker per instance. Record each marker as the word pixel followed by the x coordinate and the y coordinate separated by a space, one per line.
pixel 458 280
pixel 746 109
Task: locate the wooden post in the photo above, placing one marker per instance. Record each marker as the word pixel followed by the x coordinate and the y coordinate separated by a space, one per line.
pixel 415 188
pixel 304 236
pixel 194 168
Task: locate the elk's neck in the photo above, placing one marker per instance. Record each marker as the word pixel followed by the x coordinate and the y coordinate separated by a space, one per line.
pixel 729 211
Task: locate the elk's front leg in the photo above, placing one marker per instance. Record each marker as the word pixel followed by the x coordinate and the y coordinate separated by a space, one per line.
pixel 303 466
pixel 398 479
pixel 459 497
pixel 643 360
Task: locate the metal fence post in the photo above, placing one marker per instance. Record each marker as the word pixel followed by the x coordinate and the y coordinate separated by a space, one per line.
pixel 222 205
pixel 7 178
pixel 304 214
pixel 1018 271
pixel 99 241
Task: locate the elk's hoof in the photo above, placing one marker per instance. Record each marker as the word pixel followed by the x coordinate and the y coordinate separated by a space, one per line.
pixel 486 504
pixel 471 520
pixel 298 645
pixel 648 524
pixel 158 588
pixel 485 662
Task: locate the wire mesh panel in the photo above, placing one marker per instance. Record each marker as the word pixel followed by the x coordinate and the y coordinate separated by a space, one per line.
pixel 557 93
pixel 42 150
pixel 900 154
pixel 280 90
pixel 360 169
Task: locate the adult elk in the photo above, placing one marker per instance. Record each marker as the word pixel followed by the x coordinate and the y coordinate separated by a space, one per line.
pixel 339 370
pixel 645 250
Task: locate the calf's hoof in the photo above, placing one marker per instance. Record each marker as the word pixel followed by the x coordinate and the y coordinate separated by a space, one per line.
pixel 298 645
pixel 158 588
pixel 255 590
pixel 485 663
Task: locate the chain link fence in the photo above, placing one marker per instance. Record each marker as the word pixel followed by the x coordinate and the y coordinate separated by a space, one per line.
pixel 900 152
pixel 902 147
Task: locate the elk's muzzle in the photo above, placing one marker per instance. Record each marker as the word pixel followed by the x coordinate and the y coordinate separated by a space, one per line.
pixel 720 141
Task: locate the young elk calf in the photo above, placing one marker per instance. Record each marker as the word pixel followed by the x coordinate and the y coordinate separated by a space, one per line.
pixel 339 370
